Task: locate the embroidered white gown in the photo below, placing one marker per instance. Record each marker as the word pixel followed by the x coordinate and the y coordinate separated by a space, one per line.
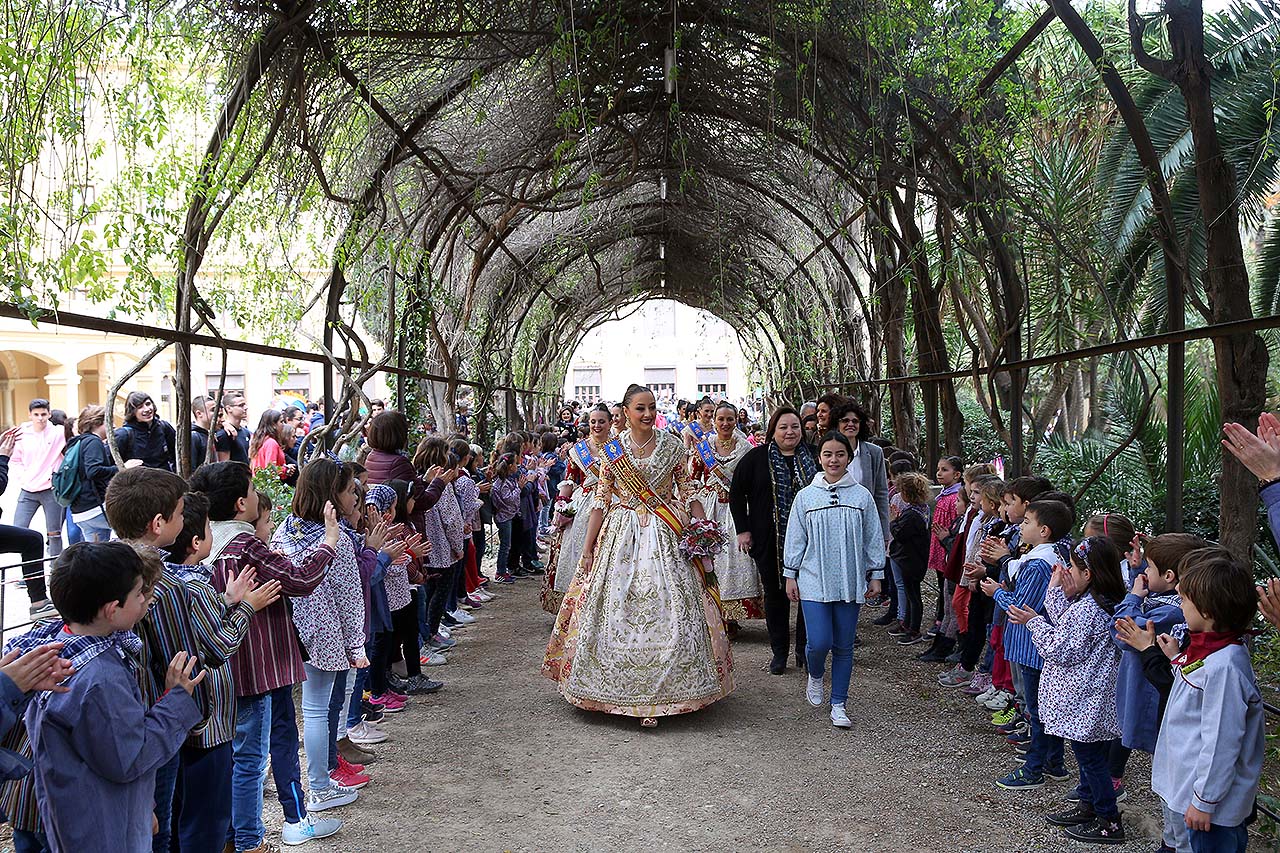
pixel 739 579
pixel 638 634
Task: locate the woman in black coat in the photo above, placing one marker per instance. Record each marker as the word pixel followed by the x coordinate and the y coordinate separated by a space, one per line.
pixel 764 485
pixel 144 436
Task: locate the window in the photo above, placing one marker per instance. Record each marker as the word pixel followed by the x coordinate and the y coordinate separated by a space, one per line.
pixel 586 385
pixel 293 383
pixel 662 381
pixel 713 382
pixel 234 384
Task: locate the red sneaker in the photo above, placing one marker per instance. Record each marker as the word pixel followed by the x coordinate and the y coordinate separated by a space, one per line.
pixel 347 777
pixel 393 704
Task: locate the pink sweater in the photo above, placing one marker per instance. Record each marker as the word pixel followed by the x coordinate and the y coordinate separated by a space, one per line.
pixel 36 456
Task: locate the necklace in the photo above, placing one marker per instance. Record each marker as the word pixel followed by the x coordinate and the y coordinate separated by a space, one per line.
pixel 725 444
pixel 636 448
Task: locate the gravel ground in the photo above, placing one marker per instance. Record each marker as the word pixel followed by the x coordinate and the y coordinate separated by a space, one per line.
pixel 498 761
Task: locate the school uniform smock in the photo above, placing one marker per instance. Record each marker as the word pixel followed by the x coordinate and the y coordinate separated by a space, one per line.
pixel 834 543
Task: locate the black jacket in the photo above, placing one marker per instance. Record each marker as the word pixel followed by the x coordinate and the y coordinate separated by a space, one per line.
pixel 96 471
pixel 752 504
pixel 909 545
pixel 153 443
pixel 199 445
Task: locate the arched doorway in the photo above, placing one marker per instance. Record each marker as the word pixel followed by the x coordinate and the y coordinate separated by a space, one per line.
pixel 23 380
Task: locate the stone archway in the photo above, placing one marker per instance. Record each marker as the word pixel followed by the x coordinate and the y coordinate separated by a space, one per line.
pixel 25 378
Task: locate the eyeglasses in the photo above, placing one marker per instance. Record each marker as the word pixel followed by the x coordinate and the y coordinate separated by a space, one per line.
pixel 850 421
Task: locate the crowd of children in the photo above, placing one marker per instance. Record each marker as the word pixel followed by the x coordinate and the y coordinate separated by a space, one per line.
pixel 188 636
pixel 1109 643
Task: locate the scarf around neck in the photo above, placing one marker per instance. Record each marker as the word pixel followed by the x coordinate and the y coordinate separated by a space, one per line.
pixel 223 532
pixel 297 536
pixel 78 648
pixel 785 488
pixel 1044 551
pixel 1205 643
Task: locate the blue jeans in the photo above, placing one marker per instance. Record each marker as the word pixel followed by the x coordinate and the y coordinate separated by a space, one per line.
pixel 831 626
pixel 265 723
pixel 95 529
pixel 1220 839
pixel 341 698
pixel 74 534
pixel 354 711
pixel 317 696
pixel 1046 750
pixel 504 545
pixel 901 586
pixel 166 782
pixel 1095 777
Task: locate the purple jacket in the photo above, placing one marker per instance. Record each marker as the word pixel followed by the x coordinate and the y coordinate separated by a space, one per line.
pixel 505 497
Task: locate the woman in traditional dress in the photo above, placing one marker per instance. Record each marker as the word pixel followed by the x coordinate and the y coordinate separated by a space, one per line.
pixel 716 459
pixel 639 633
pixel 701 425
pixel 578 488
pixel 764 484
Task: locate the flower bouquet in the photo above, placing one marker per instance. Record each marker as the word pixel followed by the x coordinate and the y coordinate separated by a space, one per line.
pixel 703 539
pixel 565 512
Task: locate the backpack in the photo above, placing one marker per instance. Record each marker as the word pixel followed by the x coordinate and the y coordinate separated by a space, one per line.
pixel 66 478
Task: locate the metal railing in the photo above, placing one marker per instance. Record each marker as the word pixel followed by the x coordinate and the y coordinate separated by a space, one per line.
pixel 5 582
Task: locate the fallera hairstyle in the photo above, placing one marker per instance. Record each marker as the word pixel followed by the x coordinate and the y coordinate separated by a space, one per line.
pixel 550 441
pixel 136 400
pixel 1028 488
pixel 836 435
pixel 137 495
pixel 433 450
pixel 38 403
pixel 725 404
pixel 195 516
pixel 1169 549
pixel 778 414
pixel 389 431
pixel 632 390
pixel 1055 515
pixel 268 427
pixel 402 490
pixel 89 575
pixel 914 488
pixel 601 407
pixel 1100 556
pixel 982 469
pixel 1115 527
pixel 222 484
pixel 91 417
pixel 853 407
pixel 1220 586
pixel 320 482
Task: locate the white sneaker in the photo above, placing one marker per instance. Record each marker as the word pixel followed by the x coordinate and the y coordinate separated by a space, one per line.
pixel 331 798
pixel 813 692
pixel 463 616
pixel 443 631
pixel 839 718
pixel 999 701
pixel 308 828
pixel 432 658
pixel 366 733
pixel 483 596
pixel 982 697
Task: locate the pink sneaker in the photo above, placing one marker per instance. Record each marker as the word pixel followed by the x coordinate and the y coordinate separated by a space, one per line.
pixel 347 776
pixel 392 703
pixel 403 697
pixel 980 683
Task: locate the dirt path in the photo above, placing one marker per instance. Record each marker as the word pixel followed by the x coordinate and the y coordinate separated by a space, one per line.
pixel 498 761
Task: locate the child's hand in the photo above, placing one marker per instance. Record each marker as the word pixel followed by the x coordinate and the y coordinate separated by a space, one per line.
pixel 989 587
pixel 394 549
pixel 1021 615
pixel 376 536
pixel 1269 601
pixel 38 669
pixel 238 586
pixel 1169 646
pixel 263 595
pixel 1138 639
pixel 8 439
pixel 1056 579
pixel 179 674
pixel 974 571
pixel 1196 819
pixel 360 662
pixel 993 550
pixel 433 472
pixel 1136 554
pixel 331 528
pixel 1140 585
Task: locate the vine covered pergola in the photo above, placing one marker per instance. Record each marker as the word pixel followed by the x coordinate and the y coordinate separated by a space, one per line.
pixel 884 197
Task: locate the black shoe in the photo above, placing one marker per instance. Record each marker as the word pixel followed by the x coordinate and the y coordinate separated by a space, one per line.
pixel 396 683
pixel 887 619
pixel 802 663
pixel 778 665
pixel 1078 814
pixel 420 685
pixel 372 713
pixel 1098 831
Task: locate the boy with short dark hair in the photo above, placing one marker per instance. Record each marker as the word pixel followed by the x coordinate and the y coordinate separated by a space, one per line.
pixel 1208 759
pixel 1045 523
pixel 97 747
pixel 268 663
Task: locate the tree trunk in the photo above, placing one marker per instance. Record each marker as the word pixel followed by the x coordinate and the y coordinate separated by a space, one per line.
pixel 892 298
pixel 1240 360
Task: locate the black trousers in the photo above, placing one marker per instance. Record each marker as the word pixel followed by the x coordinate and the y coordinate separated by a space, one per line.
pixel 980 610
pixel 777 607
